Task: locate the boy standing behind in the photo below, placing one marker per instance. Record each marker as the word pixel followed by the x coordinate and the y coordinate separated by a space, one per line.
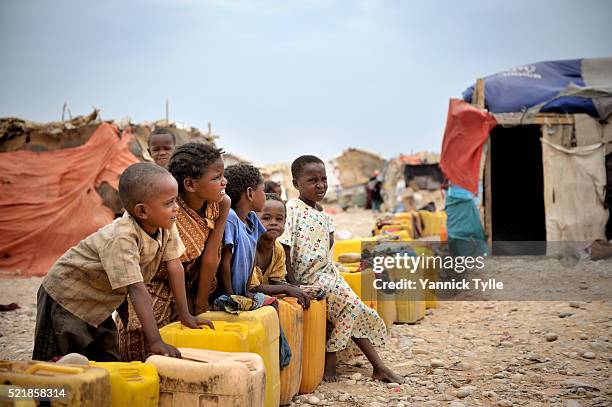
pixel 92 279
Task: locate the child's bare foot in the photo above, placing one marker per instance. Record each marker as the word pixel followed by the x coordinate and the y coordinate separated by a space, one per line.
pixel 330 375
pixel 385 374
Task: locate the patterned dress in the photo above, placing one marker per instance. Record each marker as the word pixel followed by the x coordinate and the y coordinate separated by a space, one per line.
pixel 307 233
pixel 193 230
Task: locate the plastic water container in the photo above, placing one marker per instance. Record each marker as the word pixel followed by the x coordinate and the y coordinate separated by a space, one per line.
pixel 362 283
pixel 210 378
pixel 132 383
pixel 292 321
pixel 226 337
pixel 410 303
pixel 386 308
pixel 313 348
pixel 83 385
pixel 263 339
pixel 432 222
pixel 8 392
pixel 349 246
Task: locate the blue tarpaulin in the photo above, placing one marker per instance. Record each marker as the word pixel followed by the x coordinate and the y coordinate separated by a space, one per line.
pixel 548 83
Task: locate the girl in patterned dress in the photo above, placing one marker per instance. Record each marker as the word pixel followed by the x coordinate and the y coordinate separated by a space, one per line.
pixel 203 208
pixel 308 239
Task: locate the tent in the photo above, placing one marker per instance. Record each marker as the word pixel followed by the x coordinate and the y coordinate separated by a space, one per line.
pixel 58 182
pixel 537 140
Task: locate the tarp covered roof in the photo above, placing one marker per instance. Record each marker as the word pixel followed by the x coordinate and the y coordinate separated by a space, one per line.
pixel 566 86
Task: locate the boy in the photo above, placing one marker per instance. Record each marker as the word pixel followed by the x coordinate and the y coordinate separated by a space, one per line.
pixel 92 279
pixel 162 143
pixel 245 187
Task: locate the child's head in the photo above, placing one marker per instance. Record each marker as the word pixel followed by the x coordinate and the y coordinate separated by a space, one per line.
pixel 198 169
pixel 148 192
pixel 162 143
pixel 245 183
pixel 273 215
pixel 309 178
pixel 271 187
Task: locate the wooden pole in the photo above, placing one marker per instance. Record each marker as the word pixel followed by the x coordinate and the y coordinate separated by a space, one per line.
pixel 167 112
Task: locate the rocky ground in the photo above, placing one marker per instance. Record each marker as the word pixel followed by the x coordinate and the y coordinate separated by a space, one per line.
pixel 463 353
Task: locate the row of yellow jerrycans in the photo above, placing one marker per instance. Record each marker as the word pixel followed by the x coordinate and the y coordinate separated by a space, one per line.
pixel 258 332
pixel 202 377
pixel 248 375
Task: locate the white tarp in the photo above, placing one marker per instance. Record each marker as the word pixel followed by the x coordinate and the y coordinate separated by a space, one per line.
pixel 574 192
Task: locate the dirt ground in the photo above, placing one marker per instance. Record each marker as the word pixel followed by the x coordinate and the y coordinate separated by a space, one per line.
pixel 463 353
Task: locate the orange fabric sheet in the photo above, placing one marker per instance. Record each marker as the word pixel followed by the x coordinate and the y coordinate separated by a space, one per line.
pixel 48 200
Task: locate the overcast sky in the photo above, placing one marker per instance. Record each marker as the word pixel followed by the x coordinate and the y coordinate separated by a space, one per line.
pixel 282 78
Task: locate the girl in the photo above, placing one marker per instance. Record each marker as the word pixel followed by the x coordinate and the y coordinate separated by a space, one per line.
pixel 308 238
pixel 245 187
pixel 270 269
pixel 203 209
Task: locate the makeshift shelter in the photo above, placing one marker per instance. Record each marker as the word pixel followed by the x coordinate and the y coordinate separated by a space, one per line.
pixel 232 159
pixel 422 172
pixel 353 168
pixel 540 154
pixel 59 180
pixel 48 193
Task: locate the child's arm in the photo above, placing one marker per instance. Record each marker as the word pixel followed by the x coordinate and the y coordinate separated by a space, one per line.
pixel 226 269
pixel 176 276
pixel 289 277
pixel 279 287
pixel 141 300
pixel 209 262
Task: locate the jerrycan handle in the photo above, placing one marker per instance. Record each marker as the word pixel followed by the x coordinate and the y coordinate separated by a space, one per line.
pixel 53 368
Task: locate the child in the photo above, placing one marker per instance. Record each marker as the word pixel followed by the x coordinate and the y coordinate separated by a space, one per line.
pixel 202 212
pixel 162 143
pixel 91 280
pixel 245 187
pixel 269 273
pixel 308 238
pixel 271 187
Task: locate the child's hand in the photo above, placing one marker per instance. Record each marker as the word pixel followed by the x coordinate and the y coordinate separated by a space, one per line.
pixel 302 297
pixel 195 322
pixel 162 348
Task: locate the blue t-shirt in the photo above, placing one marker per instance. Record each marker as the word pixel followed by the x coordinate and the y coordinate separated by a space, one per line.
pixel 243 240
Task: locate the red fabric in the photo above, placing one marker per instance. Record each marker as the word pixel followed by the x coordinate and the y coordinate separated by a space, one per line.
pixel 48 200
pixel 467 129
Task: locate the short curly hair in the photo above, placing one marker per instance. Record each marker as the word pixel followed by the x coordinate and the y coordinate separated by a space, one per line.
pixel 161 130
pixel 191 161
pixel 297 166
pixel 240 177
pixel 138 183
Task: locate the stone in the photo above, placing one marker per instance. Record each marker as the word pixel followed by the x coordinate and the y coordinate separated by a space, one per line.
pixel 490 394
pixel 351 381
pixel 498 375
pixel 574 304
pixel 356 376
pixel 551 336
pixel 441 387
pixel 588 355
pixel 438 371
pixel 392 385
pixel 505 403
pixel 344 397
pixel 456 404
pixel 381 399
pixel 565 314
pixel 314 400
pixel 463 392
pixel 584 336
pixel 436 363
pixel 572 403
